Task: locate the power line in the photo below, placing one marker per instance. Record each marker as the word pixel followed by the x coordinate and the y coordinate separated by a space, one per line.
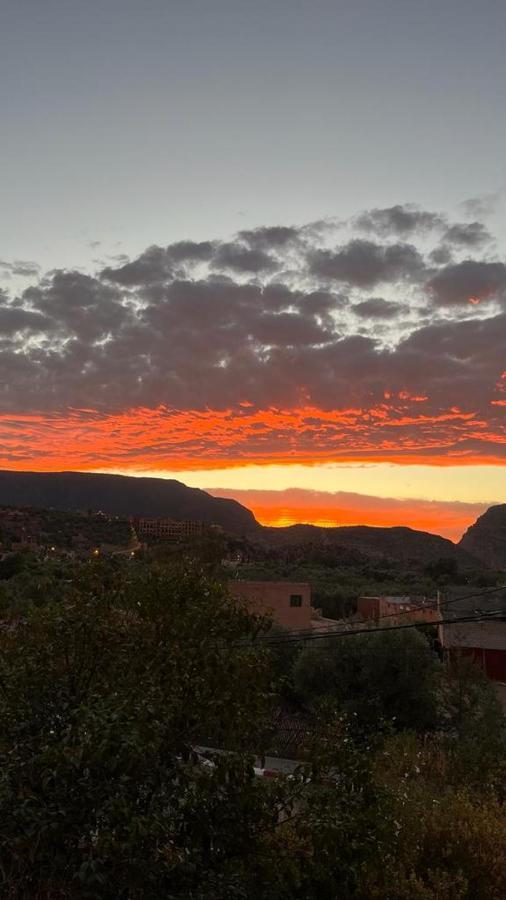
pixel 327 635
pixel 372 630
pixel 445 603
pixel 337 629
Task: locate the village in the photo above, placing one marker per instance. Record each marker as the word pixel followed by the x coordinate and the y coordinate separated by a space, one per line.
pixel 461 622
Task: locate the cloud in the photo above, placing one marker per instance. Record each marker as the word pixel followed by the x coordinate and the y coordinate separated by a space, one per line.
pixel 78 306
pixel 401 220
pixel 470 281
pixel 239 258
pixel 157 264
pixel 16 321
pixel 254 349
pixel 483 205
pixel 441 255
pixel 365 263
pixel 467 234
pixel 270 238
pixel 21 267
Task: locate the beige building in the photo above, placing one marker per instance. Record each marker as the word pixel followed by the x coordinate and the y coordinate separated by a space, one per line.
pixel 289 603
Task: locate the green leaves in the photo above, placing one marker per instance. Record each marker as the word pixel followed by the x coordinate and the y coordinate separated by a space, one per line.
pixel 380 677
pixel 103 689
pixel 108 687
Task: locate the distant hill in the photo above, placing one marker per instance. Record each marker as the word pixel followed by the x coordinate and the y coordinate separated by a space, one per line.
pixel 123 495
pixel 486 539
pixel 403 544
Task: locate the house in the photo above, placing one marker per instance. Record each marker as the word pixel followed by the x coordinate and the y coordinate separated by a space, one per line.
pixel 289 603
pixel 405 609
pixel 484 642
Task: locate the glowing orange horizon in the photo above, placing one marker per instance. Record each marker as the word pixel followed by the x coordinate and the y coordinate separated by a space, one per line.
pixel 285 516
pixel 299 506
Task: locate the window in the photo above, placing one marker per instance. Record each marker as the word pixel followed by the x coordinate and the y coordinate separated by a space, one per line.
pixel 295 600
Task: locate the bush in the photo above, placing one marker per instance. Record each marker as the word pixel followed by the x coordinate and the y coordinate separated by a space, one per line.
pixel 378 676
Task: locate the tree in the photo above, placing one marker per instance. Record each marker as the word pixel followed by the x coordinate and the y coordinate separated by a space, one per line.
pixel 444 570
pixel 12 565
pixel 475 727
pixel 446 839
pixel 104 695
pixel 108 690
pixel 379 676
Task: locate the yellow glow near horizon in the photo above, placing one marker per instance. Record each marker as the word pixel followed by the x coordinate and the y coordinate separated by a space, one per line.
pixel 469 484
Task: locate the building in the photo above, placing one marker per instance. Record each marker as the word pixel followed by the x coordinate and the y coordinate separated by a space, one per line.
pixel 168 529
pixel 406 609
pixel 289 603
pixel 484 642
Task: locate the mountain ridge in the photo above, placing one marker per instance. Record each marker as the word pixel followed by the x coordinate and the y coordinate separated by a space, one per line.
pixel 397 542
pixel 123 495
pixel 126 495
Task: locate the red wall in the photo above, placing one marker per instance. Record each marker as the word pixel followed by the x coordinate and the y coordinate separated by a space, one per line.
pixel 493 662
pixel 369 607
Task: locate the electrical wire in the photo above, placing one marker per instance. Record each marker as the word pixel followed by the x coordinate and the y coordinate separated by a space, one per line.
pixel 328 635
pixel 338 629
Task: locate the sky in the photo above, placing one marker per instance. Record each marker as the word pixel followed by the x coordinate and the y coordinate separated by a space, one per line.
pixel 259 247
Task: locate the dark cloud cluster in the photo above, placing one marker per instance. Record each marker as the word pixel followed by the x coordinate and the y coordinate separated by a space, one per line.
pixel 401 220
pixel 469 281
pixel 236 257
pixel 409 221
pixel 270 238
pixel 366 263
pixel 467 234
pixel 268 319
pixel 158 264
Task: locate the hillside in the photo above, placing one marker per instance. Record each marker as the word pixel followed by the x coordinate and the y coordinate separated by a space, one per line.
pixel 403 544
pixel 122 495
pixel 486 539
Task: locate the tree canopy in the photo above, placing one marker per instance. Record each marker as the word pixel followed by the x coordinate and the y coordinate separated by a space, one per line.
pixel 377 676
pixel 115 677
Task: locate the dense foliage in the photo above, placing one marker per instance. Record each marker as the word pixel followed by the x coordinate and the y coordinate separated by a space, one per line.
pixel 378 677
pixel 62 530
pixel 115 677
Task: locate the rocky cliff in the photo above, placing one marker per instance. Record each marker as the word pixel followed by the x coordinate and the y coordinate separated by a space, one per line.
pixel 486 539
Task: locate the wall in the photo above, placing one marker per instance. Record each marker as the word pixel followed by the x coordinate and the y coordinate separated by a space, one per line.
pixel 492 662
pixel 380 607
pixel 485 642
pixel 273 598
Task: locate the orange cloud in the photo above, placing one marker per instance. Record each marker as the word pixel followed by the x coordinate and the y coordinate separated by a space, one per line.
pixel 163 438
pixel 288 507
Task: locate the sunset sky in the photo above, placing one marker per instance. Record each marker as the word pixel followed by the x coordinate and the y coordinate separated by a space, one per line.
pixel 259 247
